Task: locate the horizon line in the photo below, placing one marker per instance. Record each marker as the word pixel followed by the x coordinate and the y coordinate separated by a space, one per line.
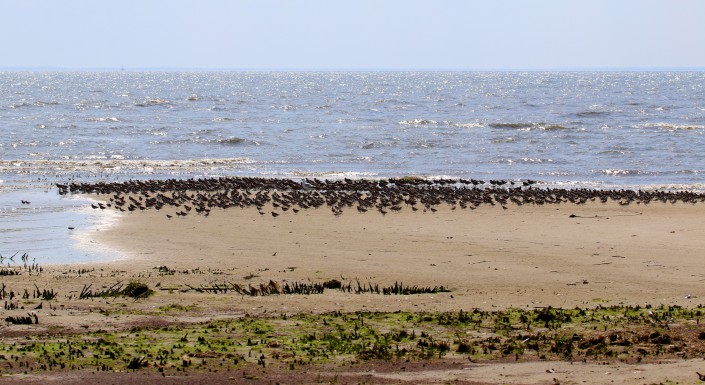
pixel 410 69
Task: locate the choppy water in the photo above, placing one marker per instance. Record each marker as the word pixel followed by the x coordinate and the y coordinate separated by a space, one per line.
pixel 594 129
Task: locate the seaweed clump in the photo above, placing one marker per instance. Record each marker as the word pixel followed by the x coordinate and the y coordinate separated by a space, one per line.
pixel 137 290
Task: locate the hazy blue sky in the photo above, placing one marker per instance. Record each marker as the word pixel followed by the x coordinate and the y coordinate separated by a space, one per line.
pixel 353 34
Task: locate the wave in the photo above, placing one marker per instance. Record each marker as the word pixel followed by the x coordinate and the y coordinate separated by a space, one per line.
pixel 503 140
pixel 528 126
pixel 20 105
pixel 112 119
pixel 464 125
pixel 688 172
pixel 512 125
pixel 417 122
pixel 121 165
pixel 522 160
pixel 38 103
pixel 592 113
pixel 334 174
pixel 152 102
pixel 231 141
pixel 672 126
pixel 620 172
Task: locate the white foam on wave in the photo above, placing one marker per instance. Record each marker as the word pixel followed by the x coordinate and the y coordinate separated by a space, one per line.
pixel 601 185
pixel 464 125
pixel 333 174
pixel 672 126
pixel 115 164
pixel 417 122
pixel 620 172
pixel 112 119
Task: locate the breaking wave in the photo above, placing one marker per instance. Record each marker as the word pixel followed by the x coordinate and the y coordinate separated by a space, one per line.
pixel 231 141
pixel 417 122
pixel 132 165
pixel 528 126
pixel 112 119
pixel 525 160
pixel 152 102
pixel 464 125
pixel 672 126
pixel 592 113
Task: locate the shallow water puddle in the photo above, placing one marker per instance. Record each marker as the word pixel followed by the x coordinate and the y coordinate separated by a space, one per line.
pixel 50 228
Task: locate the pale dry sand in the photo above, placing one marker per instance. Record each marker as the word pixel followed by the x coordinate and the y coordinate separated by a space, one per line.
pixel 525 256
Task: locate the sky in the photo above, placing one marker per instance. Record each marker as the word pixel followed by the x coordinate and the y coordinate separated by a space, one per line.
pixel 352 34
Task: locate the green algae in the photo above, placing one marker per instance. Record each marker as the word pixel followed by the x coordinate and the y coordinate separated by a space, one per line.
pixel 618 332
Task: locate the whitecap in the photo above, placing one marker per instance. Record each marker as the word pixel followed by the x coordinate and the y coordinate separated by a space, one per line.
pixel 620 172
pixel 672 126
pixel 96 164
pixel 417 122
pixel 464 125
pixel 104 119
pixel 529 126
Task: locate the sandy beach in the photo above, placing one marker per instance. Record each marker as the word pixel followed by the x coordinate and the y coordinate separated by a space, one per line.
pixel 491 258
pixel 556 255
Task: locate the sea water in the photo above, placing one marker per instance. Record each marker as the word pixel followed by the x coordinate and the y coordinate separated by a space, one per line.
pixel 639 130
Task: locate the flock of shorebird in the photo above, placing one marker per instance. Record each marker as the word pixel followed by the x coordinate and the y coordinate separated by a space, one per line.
pixel 200 196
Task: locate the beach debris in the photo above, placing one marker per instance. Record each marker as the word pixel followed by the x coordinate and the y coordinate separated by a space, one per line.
pixel 30 319
pixel 309 288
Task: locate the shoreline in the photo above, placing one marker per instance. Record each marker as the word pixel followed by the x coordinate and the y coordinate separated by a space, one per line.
pixel 499 255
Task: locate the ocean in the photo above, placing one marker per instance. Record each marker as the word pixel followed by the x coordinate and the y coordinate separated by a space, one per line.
pixel 607 130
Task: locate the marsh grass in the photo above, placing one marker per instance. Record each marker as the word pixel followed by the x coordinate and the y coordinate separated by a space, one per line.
pixel 628 334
